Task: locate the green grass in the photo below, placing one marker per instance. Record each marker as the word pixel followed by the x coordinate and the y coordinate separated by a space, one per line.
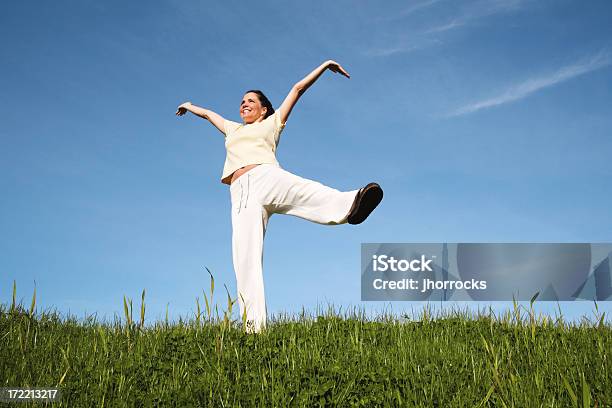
pixel 454 359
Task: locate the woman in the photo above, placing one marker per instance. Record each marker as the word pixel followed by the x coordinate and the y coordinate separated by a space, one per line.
pixel 259 187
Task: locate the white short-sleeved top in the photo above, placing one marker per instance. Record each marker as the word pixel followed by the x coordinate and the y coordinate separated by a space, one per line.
pixel 254 143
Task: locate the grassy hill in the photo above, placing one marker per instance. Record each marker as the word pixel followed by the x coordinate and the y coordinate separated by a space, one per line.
pixel 457 359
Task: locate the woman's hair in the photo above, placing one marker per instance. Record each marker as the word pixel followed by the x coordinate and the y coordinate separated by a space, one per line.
pixel 264 101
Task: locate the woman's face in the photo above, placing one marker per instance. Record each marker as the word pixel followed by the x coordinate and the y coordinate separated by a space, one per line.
pixel 251 109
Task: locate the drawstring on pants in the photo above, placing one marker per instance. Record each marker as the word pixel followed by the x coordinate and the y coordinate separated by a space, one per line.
pixel 242 192
pixel 248 189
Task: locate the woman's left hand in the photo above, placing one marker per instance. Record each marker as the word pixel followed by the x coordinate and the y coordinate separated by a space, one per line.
pixel 333 66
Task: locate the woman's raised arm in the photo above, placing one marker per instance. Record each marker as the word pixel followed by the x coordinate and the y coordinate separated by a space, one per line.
pixel 300 87
pixel 217 120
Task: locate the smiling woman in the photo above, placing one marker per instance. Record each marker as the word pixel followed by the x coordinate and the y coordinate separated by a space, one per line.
pixel 254 105
pixel 259 187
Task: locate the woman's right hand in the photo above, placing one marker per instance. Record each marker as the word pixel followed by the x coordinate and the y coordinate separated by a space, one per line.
pixel 183 108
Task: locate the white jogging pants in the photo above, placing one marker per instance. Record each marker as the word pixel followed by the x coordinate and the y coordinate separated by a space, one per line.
pixel 255 196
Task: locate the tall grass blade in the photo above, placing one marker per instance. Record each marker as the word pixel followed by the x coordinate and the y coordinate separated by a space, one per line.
pixel 14 296
pixel 33 304
pixel 126 311
pixel 533 298
pixel 208 310
pixel 570 391
pixel 244 313
pixel 212 284
pixel 65 354
pixel 142 309
pixel 198 310
pixel 230 302
pixel 486 398
pixel 63 376
pixel 586 393
pixel 227 315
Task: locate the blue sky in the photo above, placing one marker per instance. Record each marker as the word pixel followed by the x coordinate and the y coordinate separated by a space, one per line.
pixel 484 121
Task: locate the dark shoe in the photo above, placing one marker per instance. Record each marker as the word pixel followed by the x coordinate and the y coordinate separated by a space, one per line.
pixel 365 202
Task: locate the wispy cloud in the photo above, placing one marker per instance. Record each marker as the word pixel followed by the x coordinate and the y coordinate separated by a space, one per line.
pixel 530 86
pixel 385 52
pixel 409 10
pixel 402 47
pixel 468 13
pixel 415 7
pixel 446 27
pixel 478 10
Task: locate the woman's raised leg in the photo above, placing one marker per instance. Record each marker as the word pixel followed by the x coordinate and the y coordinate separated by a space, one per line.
pixel 308 199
